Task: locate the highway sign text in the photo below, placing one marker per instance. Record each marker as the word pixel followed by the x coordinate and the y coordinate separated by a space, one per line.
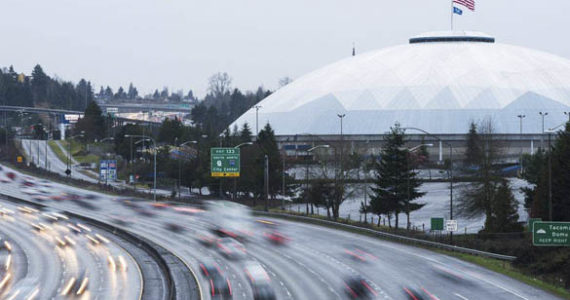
pixel 224 162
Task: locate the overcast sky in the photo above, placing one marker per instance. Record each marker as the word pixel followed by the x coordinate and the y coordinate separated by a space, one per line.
pixel 180 43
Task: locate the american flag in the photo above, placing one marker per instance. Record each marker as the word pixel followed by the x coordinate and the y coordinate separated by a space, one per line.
pixel 467 3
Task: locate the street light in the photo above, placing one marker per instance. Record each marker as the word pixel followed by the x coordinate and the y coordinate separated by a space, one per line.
pixel 450 172
pixel 180 165
pixel 521 117
pixel 235 179
pixel 257 107
pixel 145 137
pixel 307 174
pixel 542 114
pixel 68 171
pixel 410 150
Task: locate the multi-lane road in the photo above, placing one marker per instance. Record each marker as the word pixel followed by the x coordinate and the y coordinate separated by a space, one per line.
pixel 315 263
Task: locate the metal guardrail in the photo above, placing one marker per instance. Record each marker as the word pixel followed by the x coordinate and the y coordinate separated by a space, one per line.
pixel 392 236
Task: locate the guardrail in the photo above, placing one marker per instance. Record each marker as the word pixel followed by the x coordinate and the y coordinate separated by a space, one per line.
pixel 391 236
pixel 149 247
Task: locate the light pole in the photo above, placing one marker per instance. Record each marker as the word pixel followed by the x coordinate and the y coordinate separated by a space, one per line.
pixel 68 171
pixel 521 117
pixel 410 150
pixel 257 107
pixel 180 165
pixel 450 172
pixel 542 114
pixel 235 179
pixel 307 174
pixel 145 137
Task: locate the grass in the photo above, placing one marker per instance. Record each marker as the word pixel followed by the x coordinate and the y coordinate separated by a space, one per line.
pixel 58 152
pixel 499 266
pixel 76 148
pixel 506 268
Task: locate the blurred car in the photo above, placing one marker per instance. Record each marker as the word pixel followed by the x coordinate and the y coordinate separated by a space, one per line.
pixel 160 205
pixel 210 268
pixel 356 287
pixel 117 263
pixel 220 286
pixel 5 246
pixel 260 281
pixel 25 289
pixel 276 237
pixel 64 241
pixel 359 254
pixel 76 286
pixel 173 227
pixel 11 175
pixel 207 239
pixel 231 248
pixel 413 294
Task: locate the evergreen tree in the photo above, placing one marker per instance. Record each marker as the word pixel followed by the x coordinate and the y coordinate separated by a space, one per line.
pixel 40 84
pixel 505 216
pixel 92 123
pixel 245 133
pixel 473 153
pixel 395 188
pixel 268 146
pixel 559 169
pixel 170 130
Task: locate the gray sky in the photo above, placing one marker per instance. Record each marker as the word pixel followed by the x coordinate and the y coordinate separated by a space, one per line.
pixel 180 43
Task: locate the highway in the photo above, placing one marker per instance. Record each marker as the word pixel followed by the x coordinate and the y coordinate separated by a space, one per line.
pixel 313 265
pixel 51 162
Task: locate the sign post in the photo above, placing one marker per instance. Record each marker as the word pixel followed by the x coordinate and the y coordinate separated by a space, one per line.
pixel 225 162
pixel 108 170
pixel 551 233
pixel 436 224
pixel 451 225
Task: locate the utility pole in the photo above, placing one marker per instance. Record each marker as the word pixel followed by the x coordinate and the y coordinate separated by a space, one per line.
pixel 266 159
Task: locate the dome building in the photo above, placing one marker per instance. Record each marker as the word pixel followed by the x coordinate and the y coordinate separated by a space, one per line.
pixel 438 82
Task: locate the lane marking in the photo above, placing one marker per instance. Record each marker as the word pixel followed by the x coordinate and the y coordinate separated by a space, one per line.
pixel 461 297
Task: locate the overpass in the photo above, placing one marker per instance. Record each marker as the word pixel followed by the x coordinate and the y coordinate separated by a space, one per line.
pixel 54 111
pixel 136 107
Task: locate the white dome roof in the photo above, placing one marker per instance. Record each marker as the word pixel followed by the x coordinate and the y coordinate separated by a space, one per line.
pixel 437 85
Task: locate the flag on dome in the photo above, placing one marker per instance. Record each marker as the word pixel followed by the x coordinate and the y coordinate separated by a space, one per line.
pixel 457 11
pixel 470 4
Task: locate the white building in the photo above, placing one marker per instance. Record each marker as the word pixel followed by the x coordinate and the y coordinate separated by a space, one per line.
pixel 438 82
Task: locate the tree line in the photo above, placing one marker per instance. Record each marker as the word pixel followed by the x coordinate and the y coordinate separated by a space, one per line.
pixel 40 89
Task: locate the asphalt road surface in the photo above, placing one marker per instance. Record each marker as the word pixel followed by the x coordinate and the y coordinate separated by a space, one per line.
pixel 313 264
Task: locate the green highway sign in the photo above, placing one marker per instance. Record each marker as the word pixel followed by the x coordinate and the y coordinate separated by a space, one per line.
pixel 224 162
pixel 551 233
pixel 436 224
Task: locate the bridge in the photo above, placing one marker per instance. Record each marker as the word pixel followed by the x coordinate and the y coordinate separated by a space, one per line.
pixel 54 111
pixel 136 107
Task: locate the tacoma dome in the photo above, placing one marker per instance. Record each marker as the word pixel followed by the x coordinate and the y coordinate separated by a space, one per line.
pixel 438 81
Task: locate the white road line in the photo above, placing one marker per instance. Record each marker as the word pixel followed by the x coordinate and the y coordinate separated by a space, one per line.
pixel 461 297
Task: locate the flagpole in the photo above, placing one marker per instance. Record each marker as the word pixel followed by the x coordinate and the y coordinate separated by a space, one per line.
pixel 451 15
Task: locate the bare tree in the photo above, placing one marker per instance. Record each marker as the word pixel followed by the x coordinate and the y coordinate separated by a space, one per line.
pixel 219 84
pixel 285 81
pixel 477 198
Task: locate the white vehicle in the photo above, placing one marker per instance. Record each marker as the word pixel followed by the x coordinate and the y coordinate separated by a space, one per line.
pixel 229 219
